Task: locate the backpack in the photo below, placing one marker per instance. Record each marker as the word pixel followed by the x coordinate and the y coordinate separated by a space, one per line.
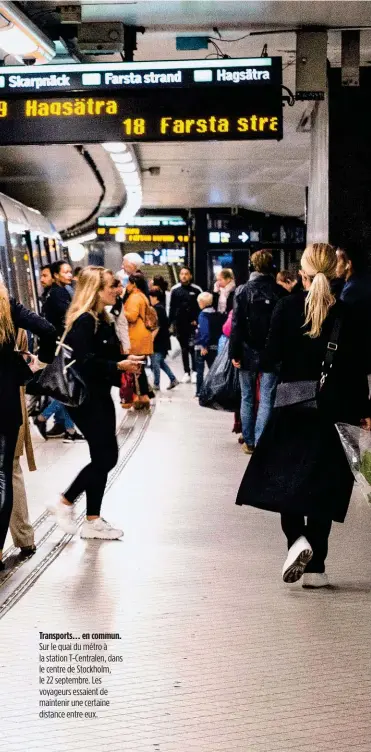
pixel 151 318
pixel 261 300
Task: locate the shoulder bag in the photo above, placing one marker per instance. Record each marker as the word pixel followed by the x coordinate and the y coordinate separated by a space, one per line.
pixel 305 393
pixel 60 379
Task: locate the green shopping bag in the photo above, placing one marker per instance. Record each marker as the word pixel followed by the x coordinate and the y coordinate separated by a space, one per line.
pixel 365 466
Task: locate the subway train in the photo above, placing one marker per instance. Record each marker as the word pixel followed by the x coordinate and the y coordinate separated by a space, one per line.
pixel 27 241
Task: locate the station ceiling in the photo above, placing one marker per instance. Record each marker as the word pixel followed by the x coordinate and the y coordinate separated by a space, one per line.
pixel 266 176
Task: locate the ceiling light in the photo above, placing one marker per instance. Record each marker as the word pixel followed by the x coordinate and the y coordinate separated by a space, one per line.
pixel 130 167
pixel 82 238
pixel 122 157
pixel 115 147
pixel 131 179
pixel 21 38
pixel 15 42
pixel 76 251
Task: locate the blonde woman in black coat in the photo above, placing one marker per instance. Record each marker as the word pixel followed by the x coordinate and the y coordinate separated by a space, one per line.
pixel 299 468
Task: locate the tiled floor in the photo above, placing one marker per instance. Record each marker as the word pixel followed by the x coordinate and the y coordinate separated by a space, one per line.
pixel 218 655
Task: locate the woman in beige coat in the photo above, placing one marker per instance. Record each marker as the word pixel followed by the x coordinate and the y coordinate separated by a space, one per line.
pixel 20 528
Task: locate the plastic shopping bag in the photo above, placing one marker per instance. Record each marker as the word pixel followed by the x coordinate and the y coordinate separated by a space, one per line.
pixel 357 447
pixel 221 388
pixel 175 348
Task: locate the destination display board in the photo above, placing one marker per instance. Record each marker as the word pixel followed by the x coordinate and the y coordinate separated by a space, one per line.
pixel 136 102
pixel 143 234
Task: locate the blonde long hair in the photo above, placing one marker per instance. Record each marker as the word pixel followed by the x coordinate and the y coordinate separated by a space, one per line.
pixel 319 264
pixel 7 332
pixel 90 282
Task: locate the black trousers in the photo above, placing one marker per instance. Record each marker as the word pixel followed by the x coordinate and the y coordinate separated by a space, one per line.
pixel 188 351
pixel 8 443
pixel 316 531
pixel 96 419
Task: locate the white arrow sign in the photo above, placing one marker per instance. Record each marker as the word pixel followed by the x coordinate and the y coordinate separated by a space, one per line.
pixel 243 237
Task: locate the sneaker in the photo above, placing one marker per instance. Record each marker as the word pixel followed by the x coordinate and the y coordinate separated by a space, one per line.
pixel 56 432
pixel 65 516
pixel 27 551
pixel 72 438
pixel 186 378
pixel 41 427
pixel 194 377
pixel 173 384
pixel 298 557
pixel 247 448
pixel 99 528
pixel 315 580
pixel 156 388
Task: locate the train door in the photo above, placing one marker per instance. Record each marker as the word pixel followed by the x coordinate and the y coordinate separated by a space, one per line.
pixel 22 265
pixel 6 267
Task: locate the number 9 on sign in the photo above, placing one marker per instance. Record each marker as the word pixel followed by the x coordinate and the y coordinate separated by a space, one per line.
pixel 134 126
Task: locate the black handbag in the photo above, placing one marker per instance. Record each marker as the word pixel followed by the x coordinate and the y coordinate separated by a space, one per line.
pixel 60 379
pixel 305 393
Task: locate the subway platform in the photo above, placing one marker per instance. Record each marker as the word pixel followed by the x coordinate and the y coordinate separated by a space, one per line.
pixel 217 654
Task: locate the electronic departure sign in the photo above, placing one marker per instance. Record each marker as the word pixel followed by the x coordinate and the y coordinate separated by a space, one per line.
pixel 198 100
pixel 142 235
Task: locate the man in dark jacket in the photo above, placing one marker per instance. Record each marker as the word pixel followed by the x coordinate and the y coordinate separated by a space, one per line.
pixel 161 344
pixel 59 298
pixel 352 273
pixel 46 281
pixel 54 310
pixel 352 269
pixel 253 308
pixel 183 317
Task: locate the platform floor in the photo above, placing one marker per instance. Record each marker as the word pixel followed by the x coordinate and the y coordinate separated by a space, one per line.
pixel 218 654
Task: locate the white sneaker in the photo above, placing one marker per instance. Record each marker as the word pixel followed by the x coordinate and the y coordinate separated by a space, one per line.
pixel 298 557
pixel 194 377
pixel 64 515
pixel 99 528
pixel 315 580
pixel 186 378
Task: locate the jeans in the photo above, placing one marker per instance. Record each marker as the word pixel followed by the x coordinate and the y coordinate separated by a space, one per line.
pixel 96 419
pixel 316 532
pixel 222 343
pixel 200 366
pixel 252 424
pixel 158 364
pixel 60 414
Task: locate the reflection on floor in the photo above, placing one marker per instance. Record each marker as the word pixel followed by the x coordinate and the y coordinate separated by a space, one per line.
pixel 218 655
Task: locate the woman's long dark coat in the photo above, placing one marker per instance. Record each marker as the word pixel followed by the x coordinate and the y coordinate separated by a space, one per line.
pixel 299 465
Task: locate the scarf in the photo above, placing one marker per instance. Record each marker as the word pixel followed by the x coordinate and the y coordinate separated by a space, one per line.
pixel 224 293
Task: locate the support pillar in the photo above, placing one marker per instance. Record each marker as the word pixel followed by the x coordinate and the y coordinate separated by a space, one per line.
pixel 339 202
pixel 199 259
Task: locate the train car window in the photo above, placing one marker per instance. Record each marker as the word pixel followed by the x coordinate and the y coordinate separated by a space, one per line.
pixel 53 249
pixel 22 266
pixel 7 270
pixel 35 266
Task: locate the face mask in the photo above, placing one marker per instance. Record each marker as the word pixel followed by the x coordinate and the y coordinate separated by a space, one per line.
pixel 124 278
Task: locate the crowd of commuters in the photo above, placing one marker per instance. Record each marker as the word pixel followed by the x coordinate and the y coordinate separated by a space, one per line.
pixel 295 339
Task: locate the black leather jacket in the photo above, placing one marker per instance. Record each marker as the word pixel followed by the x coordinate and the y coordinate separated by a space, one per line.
pixel 241 347
pixel 97 351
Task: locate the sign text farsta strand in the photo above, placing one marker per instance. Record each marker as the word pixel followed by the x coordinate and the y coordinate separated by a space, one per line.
pixel 91 107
